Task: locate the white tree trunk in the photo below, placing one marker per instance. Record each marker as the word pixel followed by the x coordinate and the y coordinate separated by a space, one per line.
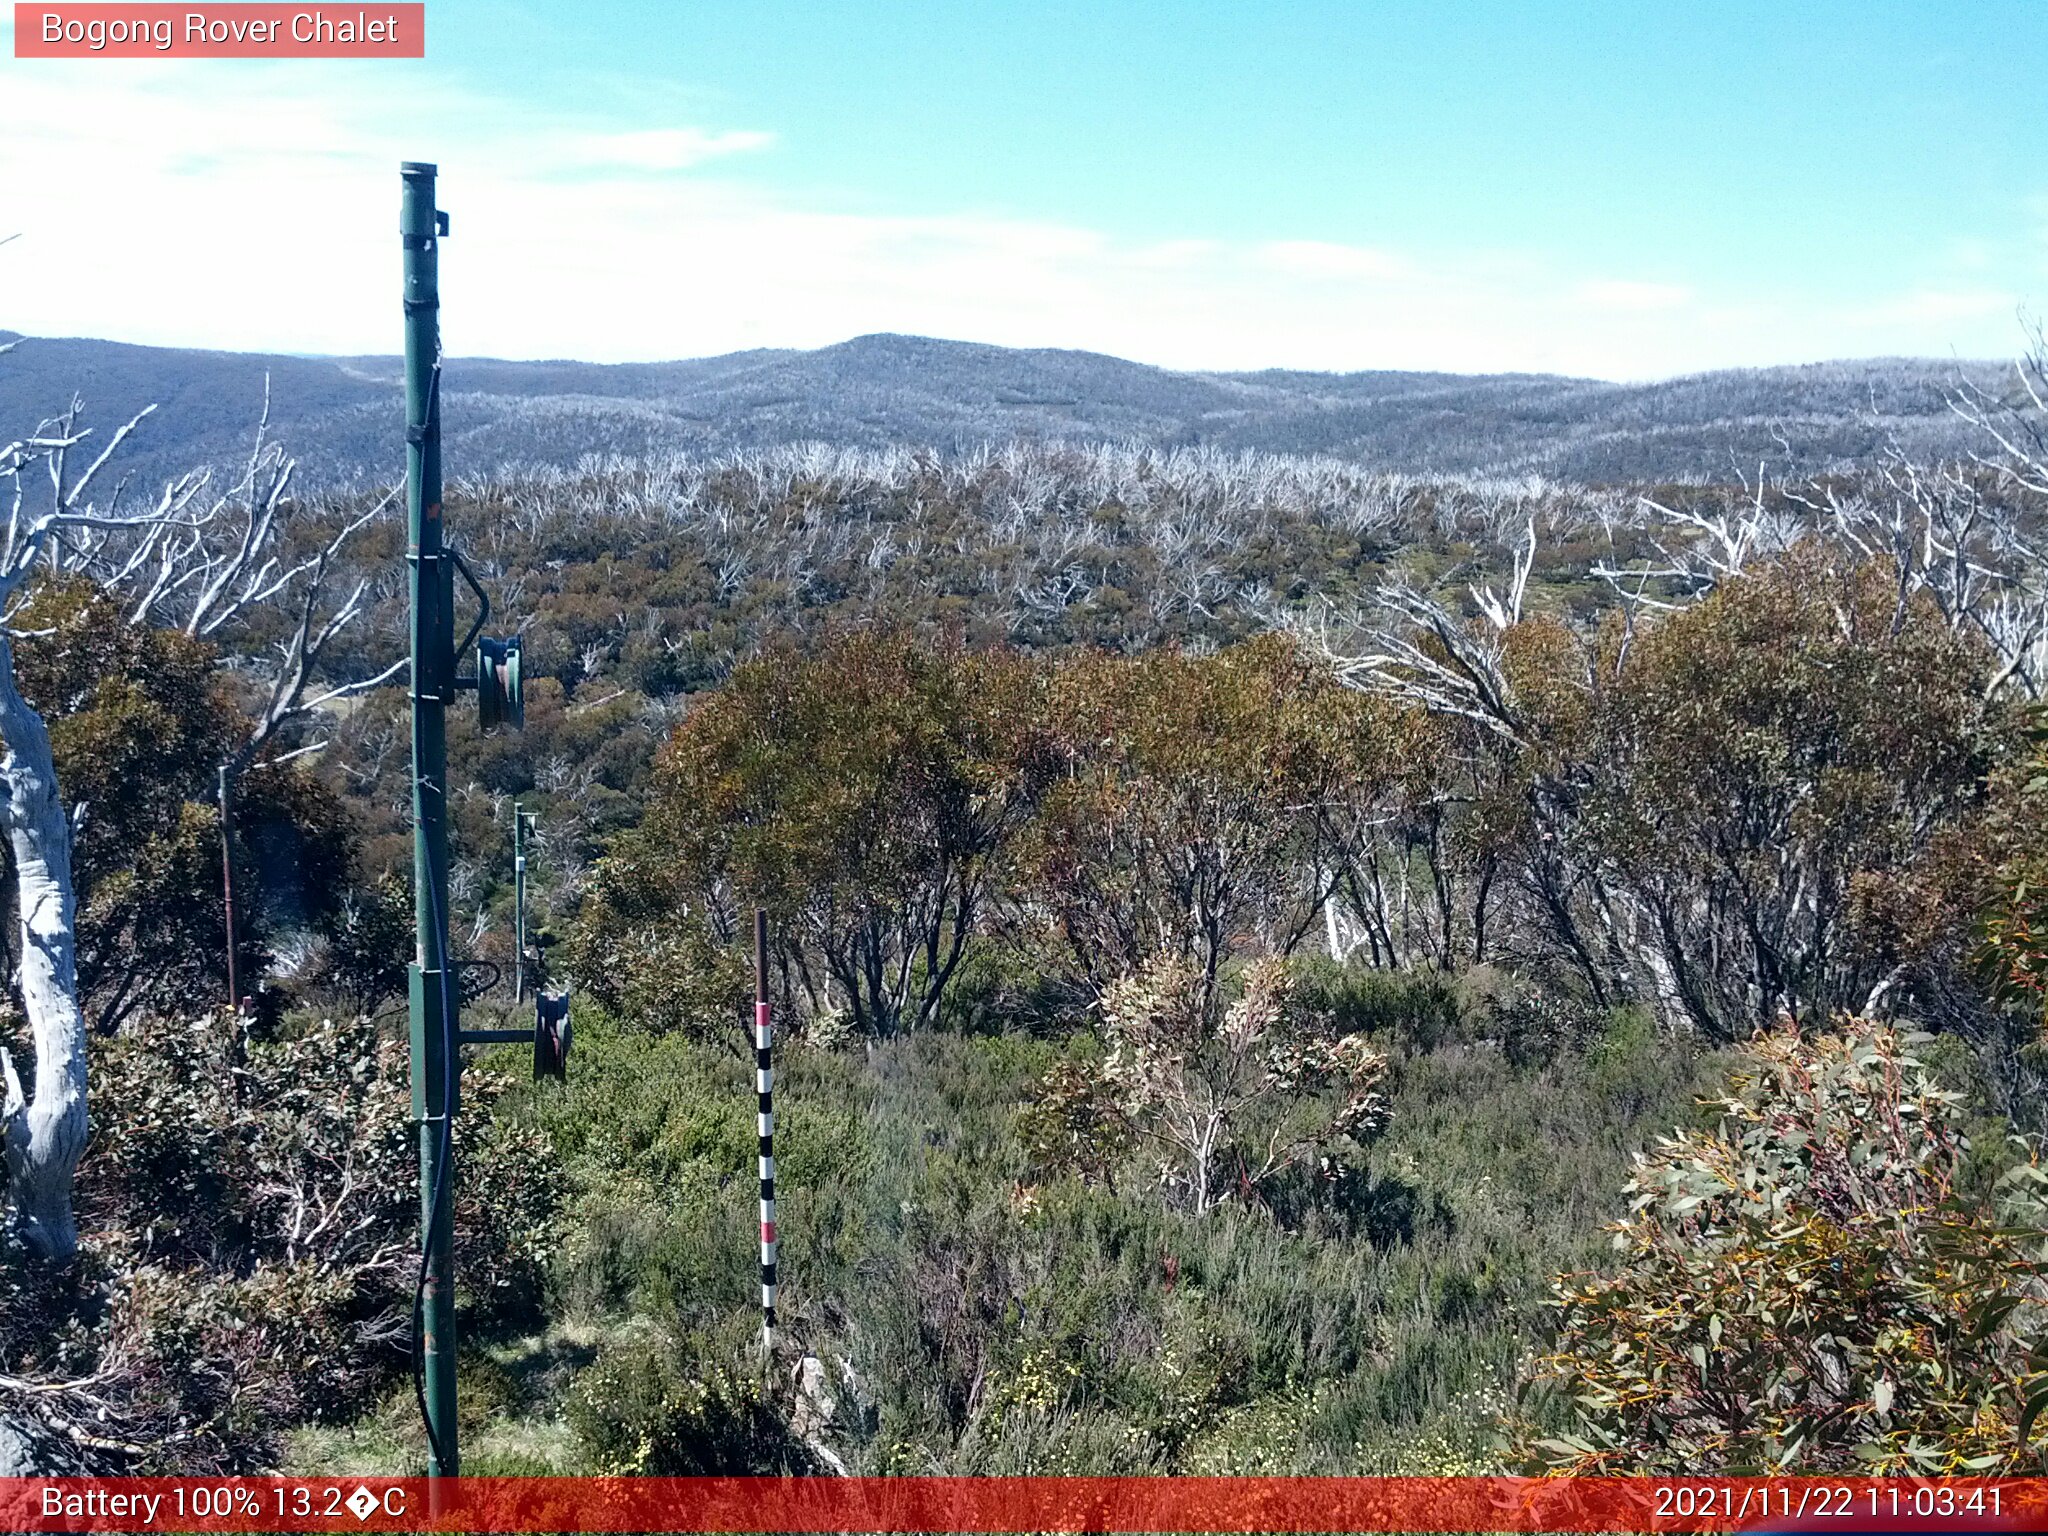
pixel 45 1133
pixel 220 561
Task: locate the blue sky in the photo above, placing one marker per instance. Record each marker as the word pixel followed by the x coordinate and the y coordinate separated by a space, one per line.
pixel 1610 189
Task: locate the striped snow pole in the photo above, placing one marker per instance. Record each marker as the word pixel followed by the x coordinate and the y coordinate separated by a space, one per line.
pixel 764 1087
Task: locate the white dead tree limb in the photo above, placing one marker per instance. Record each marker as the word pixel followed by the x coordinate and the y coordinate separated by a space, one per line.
pixel 186 559
pixel 44 1130
pixel 2004 561
pixel 1407 646
pixel 1697 551
pixel 1942 540
pixel 2015 423
pixel 1504 613
pixel 292 696
pixel 204 561
pixel 1965 534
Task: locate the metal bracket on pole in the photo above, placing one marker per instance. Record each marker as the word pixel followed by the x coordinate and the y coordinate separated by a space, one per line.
pixel 496 1036
pixel 483 599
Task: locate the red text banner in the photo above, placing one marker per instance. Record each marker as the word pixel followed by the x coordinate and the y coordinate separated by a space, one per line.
pixel 1019 1504
pixel 220 31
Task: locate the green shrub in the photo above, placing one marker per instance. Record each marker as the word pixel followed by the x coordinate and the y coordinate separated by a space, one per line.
pixel 659 974
pixel 1005 1321
pixel 661 1406
pixel 258 1210
pixel 1225 1097
pixel 1805 1286
pixel 1415 1011
pixel 1004 988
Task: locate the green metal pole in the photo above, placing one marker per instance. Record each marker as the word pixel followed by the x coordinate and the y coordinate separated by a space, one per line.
pixel 518 903
pixel 436 1061
pixel 227 887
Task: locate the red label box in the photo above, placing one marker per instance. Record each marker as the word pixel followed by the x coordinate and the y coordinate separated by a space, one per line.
pixel 1011 1506
pixel 370 30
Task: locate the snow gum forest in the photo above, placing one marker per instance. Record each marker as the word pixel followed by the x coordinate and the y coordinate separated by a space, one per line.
pixel 1281 965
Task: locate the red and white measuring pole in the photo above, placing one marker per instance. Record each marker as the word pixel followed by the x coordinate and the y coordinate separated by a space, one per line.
pixel 764 1087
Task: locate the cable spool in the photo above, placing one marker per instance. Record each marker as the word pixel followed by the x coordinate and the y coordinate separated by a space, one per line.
pixel 551 1035
pixel 500 692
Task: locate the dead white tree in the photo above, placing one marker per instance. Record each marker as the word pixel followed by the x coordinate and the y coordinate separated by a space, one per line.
pixel 1503 612
pixel 1963 533
pixel 211 559
pixel 1944 532
pixel 2013 612
pixel 1408 647
pixel 1698 550
pixel 204 561
pixel 44 1133
pixel 2014 423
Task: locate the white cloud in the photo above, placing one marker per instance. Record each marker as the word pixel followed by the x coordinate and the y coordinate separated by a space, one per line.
pixel 1320 258
pixel 651 149
pixel 1967 253
pixel 1620 294
pixel 251 205
pixel 1939 306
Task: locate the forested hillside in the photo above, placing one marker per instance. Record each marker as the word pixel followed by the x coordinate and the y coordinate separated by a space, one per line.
pixel 1285 966
pixel 341 414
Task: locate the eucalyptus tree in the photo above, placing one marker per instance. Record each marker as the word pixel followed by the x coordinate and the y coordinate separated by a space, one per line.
pixel 866 793
pixel 1741 807
pixel 198 557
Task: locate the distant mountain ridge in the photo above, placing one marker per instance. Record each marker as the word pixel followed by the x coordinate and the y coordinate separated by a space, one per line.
pixel 341 416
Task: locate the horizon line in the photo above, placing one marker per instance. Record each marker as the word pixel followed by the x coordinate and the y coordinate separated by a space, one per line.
pixel 1868 360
